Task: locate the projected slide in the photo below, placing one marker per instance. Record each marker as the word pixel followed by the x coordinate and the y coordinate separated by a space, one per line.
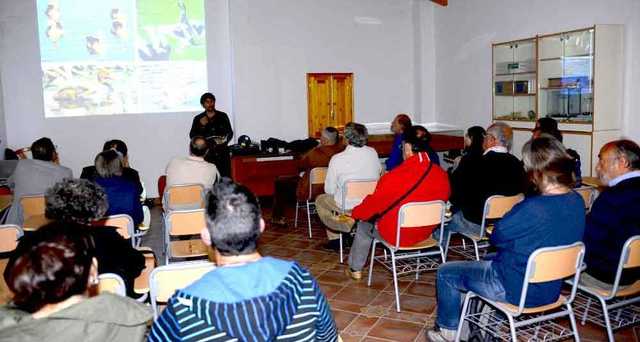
pixel 121 56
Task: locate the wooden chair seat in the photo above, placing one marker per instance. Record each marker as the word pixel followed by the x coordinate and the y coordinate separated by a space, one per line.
pixel 35 222
pixel 188 248
pixel 514 308
pixel 141 283
pixel 428 243
pixel 622 291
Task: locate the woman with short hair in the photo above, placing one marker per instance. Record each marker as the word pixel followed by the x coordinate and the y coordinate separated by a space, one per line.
pixel 51 278
pixel 554 216
pixel 122 194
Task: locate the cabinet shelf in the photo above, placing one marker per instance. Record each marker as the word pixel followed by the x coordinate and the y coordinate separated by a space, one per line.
pixel 512 95
pixel 560 88
pixel 518 73
pixel 565 57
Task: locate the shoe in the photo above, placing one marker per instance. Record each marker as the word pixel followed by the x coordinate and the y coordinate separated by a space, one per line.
pixel 444 335
pixel 355 275
pixel 278 221
pixel 332 245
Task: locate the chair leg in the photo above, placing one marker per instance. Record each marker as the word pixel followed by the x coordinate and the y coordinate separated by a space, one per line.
pixel 512 327
pixel 295 220
pixel 463 314
pixel 475 247
pixel 607 319
pixel 395 280
pixel 586 310
pixel 309 219
pixel 574 326
pixel 372 260
pixel 340 239
pixel 417 268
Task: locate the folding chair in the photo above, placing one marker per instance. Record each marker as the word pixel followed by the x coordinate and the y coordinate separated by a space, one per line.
pixel 33 207
pixel 317 175
pixel 124 226
pixel 183 197
pixel 111 282
pixel 180 224
pixel 412 215
pixel 165 280
pixel 544 265
pixel 588 195
pixel 495 207
pixel 9 235
pixel 618 306
pixel 354 190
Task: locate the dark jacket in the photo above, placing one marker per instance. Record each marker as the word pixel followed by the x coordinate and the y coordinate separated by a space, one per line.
pixel 317 157
pixel 614 217
pixel 218 126
pixel 106 317
pixel 90 173
pixel 475 180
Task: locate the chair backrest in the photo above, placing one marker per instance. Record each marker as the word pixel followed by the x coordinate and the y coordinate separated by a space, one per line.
pixel 165 280
pixel 553 263
pixel 629 258
pixel 9 235
pixel 122 222
pixel 185 222
pixel 497 206
pixel 357 189
pixel 183 196
pixel 317 175
pixel 586 192
pixel 420 214
pixel 111 282
pixel 32 205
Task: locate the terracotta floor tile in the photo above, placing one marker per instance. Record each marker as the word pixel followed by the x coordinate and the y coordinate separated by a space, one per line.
pixel 405 315
pixel 360 326
pixel 421 289
pixel 334 277
pixel 384 299
pixel 283 252
pixel 330 290
pixel 378 281
pixel 343 318
pixel 357 295
pixel 346 306
pixel 395 330
pixel 313 256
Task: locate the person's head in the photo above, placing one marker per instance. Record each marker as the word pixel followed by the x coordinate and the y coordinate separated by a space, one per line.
pixel 198 147
pixel 400 123
pixel 547 163
pixel 234 223
pixel 329 136
pixel 474 138
pixel 355 134
pixel 52 264
pixel 109 163
pixel 617 158
pixel 75 200
pixel 549 126
pixel 44 149
pixel 120 146
pixel 415 141
pixel 498 134
pixel 208 102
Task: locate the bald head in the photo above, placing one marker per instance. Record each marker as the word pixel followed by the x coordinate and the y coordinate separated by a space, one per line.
pixel 198 146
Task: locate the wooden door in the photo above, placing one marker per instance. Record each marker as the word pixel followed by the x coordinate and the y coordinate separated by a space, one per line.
pixel 330 101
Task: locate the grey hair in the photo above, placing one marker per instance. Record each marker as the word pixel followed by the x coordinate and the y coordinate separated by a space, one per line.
pixel 356 134
pixel 331 134
pixel 109 163
pixel 503 134
pixel 75 200
pixel 546 161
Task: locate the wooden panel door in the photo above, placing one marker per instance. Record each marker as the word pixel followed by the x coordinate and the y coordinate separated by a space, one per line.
pixel 330 101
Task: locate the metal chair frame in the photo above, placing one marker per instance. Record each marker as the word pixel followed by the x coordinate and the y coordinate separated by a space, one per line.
pixel 317 175
pixel 168 231
pixel 343 209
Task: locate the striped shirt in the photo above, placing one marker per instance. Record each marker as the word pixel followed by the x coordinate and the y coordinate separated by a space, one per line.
pixel 295 311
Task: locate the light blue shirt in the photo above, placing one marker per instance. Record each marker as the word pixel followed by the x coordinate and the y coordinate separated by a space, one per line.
pixel 628 175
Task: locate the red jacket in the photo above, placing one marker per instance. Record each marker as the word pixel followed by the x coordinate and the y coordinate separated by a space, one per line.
pixel 395 184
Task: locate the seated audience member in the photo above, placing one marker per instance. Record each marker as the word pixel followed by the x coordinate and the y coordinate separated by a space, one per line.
pixel 90 173
pixel 286 186
pixel 554 217
pixel 193 169
pixel 357 161
pixel 399 125
pixel 549 126
pixel 473 139
pixel 614 216
pixel 283 298
pixel 51 277
pixel 416 180
pixel 433 156
pixel 35 176
pixel 121 193
pixel 497 172
pixel 81 201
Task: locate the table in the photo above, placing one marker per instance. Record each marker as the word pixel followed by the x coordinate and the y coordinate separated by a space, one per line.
pixel 258 172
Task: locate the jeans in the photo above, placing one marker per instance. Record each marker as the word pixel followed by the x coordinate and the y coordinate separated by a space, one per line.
pixel 456 278
pixel 458 224
pixel 361 246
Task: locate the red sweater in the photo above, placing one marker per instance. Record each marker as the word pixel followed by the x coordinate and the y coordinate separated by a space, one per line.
pixel 395 184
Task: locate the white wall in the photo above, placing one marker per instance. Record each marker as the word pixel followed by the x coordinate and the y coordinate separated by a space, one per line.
pixel 258 55
pixel 465 30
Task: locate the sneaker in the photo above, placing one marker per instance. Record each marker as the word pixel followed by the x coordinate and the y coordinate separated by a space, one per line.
pixel 332 245
pixel 444 335
pixel 355 275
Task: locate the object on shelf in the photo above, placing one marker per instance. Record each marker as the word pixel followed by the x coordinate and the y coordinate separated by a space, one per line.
pixel 513 87
pixel 569 82
pixel 515 67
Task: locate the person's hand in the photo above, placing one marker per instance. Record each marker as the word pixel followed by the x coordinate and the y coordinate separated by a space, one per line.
pixel 204 120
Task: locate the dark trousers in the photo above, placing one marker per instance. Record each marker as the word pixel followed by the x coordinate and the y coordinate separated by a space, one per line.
pixel 220 156
pixel 284 194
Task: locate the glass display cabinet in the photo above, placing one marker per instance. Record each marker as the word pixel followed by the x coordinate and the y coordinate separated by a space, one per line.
pixel 515 80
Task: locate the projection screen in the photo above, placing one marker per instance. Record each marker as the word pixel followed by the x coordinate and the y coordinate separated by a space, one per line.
pixel 121 56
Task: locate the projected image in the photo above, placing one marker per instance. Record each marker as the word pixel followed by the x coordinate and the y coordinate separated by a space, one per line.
pixel 121 56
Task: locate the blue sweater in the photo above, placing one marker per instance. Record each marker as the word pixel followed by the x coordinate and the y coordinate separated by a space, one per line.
pixel 123 197
pixel 536 222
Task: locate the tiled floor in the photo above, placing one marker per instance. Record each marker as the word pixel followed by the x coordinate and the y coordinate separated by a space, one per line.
pixel 364 313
